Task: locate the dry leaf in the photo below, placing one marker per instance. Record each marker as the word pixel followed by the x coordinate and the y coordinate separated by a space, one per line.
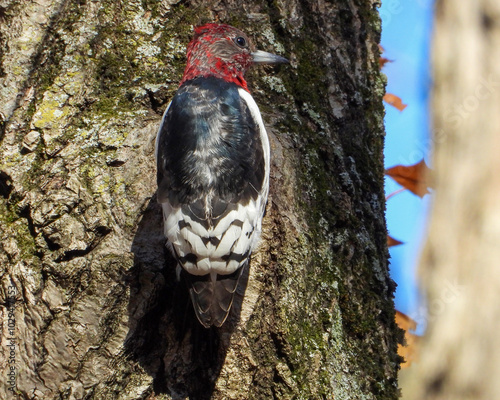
pixel 409 351
pixel 413 177
pixel 394 101
pixel 382 61
pixel 405 322
pixel 392 242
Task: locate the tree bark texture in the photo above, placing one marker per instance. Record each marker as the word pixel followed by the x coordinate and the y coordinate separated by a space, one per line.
pixel 98 311
pixel 460 356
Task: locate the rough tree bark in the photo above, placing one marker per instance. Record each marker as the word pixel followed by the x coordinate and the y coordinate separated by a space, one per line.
pixel 460 357
pixel 98 313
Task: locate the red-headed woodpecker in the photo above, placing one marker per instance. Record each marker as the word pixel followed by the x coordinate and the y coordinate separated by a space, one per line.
pixel 212 154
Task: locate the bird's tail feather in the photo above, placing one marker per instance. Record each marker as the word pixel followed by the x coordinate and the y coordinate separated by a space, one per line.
pixel 213 296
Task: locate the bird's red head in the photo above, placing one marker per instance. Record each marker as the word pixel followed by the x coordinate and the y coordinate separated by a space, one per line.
pixel 225 52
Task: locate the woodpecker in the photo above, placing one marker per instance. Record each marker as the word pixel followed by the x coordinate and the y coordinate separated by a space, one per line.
pixel 213 161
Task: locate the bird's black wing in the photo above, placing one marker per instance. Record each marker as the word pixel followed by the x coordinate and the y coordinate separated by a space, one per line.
pixel 212 183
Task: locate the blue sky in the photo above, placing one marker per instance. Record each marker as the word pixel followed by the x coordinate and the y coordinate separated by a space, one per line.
pixel 406 31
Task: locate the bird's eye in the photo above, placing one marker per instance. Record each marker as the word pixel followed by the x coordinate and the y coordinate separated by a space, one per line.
pixel 240 41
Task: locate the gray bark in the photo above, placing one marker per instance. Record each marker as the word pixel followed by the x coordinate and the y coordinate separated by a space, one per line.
pixel 98 312
pixel 460 355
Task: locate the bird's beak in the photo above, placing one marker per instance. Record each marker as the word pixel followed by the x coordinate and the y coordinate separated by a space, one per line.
pixel 262 57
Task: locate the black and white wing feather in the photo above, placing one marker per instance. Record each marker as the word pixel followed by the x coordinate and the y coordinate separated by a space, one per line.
pixel 212 155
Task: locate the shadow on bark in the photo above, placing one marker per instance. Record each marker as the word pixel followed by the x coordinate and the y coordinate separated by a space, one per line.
pixel 164 337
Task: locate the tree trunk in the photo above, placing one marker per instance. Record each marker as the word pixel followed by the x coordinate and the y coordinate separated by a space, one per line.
pixel 460 357
pixel 96 310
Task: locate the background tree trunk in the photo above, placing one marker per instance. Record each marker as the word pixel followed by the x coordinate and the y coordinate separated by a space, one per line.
pixel 98 313
pixel 460 357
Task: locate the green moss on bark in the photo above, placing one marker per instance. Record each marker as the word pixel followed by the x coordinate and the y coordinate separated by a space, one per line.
pixel 340 177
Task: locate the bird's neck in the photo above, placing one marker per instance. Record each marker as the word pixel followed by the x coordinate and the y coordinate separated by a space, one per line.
pixel 211 66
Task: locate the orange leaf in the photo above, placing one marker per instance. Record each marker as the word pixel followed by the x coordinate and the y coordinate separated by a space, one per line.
pixel 409 351
pixel 405 322
pixel 394 101
pixel 392 242
pixel 413 177
pixel 382 61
